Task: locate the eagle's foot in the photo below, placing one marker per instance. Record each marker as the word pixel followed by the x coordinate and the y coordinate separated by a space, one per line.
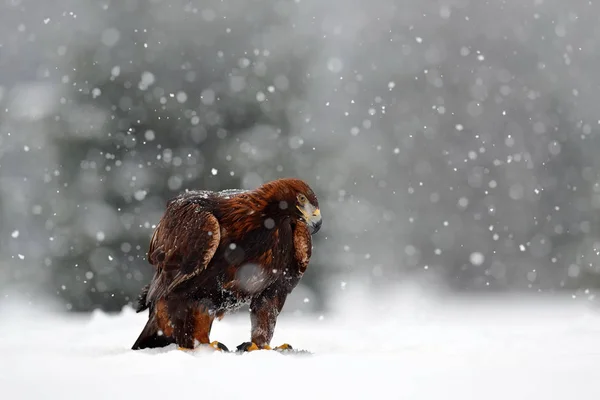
pixel 218 346
pixel 251 346
pixel 284 347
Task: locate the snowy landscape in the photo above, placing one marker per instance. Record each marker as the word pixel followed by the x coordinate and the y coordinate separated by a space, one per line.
pixel 406 346
pixel 452 144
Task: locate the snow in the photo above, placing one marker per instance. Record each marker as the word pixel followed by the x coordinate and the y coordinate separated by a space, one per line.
pixel 377 346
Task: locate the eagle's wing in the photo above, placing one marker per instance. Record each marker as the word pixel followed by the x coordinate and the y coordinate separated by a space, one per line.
pixel 181 247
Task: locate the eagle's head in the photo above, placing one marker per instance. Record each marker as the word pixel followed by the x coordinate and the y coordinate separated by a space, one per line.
pixel 297 200
pixel 307 206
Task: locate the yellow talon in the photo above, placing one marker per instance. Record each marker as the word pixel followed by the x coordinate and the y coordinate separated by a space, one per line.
pixel 213 345
pixel 252 347
pixel 218 346
pixel 284 346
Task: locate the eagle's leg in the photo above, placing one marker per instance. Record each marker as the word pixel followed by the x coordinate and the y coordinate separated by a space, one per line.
pixel 181 316
pixel 264 311
pixel 192 325
pixel 203 321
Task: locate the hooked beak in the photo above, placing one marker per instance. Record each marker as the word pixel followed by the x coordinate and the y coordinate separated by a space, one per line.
pixel 312 216
pixel 315 222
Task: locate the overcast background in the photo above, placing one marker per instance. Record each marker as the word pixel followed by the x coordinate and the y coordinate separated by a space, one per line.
pixel 452 143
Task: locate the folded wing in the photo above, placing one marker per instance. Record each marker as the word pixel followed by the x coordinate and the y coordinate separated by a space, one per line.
pixel 181 247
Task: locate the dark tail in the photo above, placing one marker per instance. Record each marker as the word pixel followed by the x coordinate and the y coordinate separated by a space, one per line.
pixel 142 300
pixel 150 337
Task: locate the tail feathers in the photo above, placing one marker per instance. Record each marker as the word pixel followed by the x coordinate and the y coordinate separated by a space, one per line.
pixel 150 337
pixel 142 300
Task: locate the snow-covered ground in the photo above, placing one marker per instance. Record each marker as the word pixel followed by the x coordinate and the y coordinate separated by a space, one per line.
pixel 404 347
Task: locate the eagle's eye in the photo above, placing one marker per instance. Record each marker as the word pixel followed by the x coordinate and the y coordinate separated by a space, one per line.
pixel 302 199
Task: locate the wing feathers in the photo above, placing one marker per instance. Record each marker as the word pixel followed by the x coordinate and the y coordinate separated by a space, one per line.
pixel 181 247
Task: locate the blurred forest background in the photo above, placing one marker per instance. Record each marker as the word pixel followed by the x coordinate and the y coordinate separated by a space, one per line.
pixel 451 142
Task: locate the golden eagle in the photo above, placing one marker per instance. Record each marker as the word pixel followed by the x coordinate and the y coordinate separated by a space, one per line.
pixel 216 251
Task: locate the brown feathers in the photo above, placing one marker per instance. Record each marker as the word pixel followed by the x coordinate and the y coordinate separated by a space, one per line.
pixel 302 247
pixel 183 244
pixel 214 251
